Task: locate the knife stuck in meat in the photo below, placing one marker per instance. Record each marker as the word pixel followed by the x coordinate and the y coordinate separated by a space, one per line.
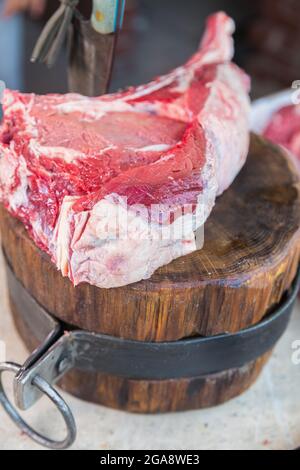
pixel 91 43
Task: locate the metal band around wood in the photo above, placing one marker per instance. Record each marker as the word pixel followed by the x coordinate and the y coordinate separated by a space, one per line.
pixel 192 357
pixel 62 350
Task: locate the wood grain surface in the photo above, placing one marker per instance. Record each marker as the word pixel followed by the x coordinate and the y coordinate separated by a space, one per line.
pixel 249 259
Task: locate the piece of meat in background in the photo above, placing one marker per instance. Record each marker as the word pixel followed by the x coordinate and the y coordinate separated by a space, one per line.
pixel 284 129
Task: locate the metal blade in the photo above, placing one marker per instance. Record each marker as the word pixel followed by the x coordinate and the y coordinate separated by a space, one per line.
pixel 91 59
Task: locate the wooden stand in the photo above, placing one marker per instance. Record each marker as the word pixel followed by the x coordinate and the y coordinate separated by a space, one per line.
pixel 250 258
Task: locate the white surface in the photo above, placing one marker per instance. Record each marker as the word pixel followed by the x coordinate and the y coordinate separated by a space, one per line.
pixel 265 417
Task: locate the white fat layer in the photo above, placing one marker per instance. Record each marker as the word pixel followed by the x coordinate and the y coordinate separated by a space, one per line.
pixel 13 106
pixel 94 109
pixel 62 153
pixel 154 148
pixel 152 87
pixel 165 158
pixel 12 167
pixel 41 233
pixel 61 235
pixel 224 119
pixel 19 197
pixel 143 247
pixel 184 80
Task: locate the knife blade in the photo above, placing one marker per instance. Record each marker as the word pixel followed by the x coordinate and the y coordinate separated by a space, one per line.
pixel 92 48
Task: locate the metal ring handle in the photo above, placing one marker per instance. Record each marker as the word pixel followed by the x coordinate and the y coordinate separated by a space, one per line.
pixel 51 393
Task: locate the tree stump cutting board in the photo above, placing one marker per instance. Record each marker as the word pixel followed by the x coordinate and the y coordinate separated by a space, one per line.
pixel 249 260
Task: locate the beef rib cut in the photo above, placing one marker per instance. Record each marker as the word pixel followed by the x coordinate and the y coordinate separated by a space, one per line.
pixel 107 186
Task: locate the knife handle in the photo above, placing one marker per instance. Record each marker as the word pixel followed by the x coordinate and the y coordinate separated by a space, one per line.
pixel 107 15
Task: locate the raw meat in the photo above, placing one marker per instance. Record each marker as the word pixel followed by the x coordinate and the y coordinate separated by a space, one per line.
pixel 284 129
pixel 114 187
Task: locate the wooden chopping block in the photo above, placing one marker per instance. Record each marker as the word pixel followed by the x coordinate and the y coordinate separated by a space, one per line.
pixel 249 260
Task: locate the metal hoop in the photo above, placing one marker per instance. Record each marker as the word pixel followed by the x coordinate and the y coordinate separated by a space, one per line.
pixel 51 393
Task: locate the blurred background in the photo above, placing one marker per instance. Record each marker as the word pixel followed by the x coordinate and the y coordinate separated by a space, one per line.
pixel 157 36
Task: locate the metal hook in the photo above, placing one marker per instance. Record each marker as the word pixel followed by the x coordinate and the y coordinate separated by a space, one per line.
pixel 54 396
